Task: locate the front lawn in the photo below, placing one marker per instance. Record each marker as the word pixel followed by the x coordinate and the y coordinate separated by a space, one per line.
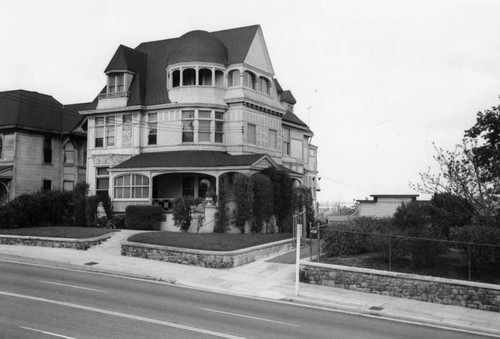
pixel 58 232
pixel 207 241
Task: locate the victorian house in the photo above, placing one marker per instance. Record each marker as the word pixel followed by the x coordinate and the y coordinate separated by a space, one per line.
pixel 42 144
pixel 177 115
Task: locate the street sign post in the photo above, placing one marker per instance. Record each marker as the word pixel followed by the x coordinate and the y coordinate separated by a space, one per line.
pixel 297 258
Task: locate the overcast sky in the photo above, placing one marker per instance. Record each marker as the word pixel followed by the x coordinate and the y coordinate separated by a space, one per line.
pixel 377 81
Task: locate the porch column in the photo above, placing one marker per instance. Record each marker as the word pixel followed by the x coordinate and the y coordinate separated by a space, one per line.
pixel 150 188
pixel 217 188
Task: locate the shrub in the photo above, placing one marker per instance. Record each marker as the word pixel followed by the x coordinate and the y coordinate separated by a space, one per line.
pixel 282 197
pixel 181 211
pixel 243 193
pixel 482 257
pixel 118 221
pixel 91 210
pixel 79 203
pixel 143 217
pixel 414 220
pixel 343 240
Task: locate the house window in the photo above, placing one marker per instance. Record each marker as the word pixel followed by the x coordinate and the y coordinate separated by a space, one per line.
pixel 153 128
pixel 188 77
pixel 219 78
pixel 233 78
pixel 105 131
pixel 116 83
pixel 251 134
pixel 47 150
pixel 69 153
pixel 273 136
pixel 47 185
pixel 205 77
pixel 127 119
pixel 249 79
pixel 1 148
pixel 219 127
pixel 132 186
pixel 188 126
pixel 286 141
pixel 176 78
pixel 264 85
pixel 188 186
pixel 68 185
pixel 204 123
pixel 102 181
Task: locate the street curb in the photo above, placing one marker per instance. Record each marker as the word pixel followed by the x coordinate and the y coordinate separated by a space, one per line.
pixel 298 300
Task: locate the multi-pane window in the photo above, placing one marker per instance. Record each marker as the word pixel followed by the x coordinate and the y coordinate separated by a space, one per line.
pixel 102 181
pixel 251 134
pixel 132 186
pixel 47 150
pixel 116 83
pixel 127 119
pixel 69 153
pixel 153 128
pixel 286 141
pixel 188 126
pixel 273 136
pixel 219 127
pixel 105 131
pixel 110 131
pixel 204 122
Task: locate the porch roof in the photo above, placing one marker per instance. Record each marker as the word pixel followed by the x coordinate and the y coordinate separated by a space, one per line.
pixel 189 159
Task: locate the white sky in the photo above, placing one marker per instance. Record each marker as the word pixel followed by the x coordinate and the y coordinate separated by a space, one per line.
pixel 384 79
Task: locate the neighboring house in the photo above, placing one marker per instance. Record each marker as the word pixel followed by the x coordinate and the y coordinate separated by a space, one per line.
pixel 383 205
pixel 178 115
pixel 42 144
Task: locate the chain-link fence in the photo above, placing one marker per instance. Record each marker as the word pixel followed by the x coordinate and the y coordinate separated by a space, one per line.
pixel 409 254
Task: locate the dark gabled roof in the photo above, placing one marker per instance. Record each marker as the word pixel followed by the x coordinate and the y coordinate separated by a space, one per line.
pixel 189 159
pixel 35 111
pixel 287 97
pixel 279 89
pixel 291 118
pixel 155 56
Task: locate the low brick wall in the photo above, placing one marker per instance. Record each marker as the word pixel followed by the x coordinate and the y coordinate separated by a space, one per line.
pixel 211 259
pixel 77 244
pixel 436 290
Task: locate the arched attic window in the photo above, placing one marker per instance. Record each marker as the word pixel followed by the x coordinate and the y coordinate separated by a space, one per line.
pixel 233 78
pixel 176 78
pixel 249 80
pixel 189 77
pixel 205 77
pixel 219 78
pixel 264 85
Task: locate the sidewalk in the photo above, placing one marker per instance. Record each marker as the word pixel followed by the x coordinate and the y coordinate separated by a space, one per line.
pixel 264 278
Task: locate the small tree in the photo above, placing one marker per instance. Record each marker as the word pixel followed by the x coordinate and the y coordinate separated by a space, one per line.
pixel 222 214
pixel 243 193
pixel 282 197
pixel 262 201
pixel 181 211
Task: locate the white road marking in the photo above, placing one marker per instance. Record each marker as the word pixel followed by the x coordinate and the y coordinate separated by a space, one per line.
pixel 250 317
pixel 72 286
pixel 45 332
pixel 123 315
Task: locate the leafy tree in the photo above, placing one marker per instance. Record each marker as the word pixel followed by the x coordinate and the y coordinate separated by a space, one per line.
pixel 222 214
pixel 262 201
pixel 449 210
pixel 243 193
pixel 181 211
pixel 282 196
pixel 303 199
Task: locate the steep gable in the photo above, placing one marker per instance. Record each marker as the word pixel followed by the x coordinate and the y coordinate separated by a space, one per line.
pixel 258 55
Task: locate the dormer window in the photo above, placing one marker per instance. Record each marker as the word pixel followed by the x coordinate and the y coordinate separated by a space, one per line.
pixel 116 83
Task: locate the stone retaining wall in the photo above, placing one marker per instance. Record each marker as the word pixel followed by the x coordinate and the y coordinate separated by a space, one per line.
pixel 211 259
pixel 77 244
pixel 436 290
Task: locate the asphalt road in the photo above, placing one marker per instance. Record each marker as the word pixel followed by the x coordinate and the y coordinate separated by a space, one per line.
pixel 45 302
